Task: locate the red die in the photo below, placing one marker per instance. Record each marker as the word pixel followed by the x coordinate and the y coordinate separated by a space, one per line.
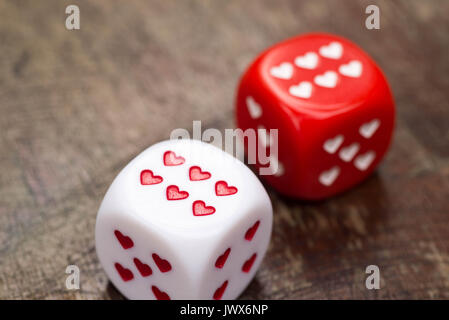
pixel 332 107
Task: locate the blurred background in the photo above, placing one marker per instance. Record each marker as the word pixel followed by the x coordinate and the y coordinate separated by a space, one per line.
pixel 76 106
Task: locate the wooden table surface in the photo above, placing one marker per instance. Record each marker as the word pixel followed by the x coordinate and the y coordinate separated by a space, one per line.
pixel 76 106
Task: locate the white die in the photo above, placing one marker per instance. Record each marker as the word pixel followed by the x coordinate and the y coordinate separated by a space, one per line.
pixel 206 242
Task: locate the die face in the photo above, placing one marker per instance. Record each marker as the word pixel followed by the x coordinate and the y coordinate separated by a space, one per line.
pixel 328 73
pixel 197 196
pixel 136 258
pixel 273 115
pixel 347 150
pixel 236 258
pixel 333 109
pixel 166 214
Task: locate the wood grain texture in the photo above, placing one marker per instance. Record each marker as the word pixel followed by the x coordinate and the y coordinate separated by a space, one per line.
pixel 76 106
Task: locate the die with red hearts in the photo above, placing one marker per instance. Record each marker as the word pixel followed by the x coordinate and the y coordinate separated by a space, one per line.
pixel 333 109
pixel 183 220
